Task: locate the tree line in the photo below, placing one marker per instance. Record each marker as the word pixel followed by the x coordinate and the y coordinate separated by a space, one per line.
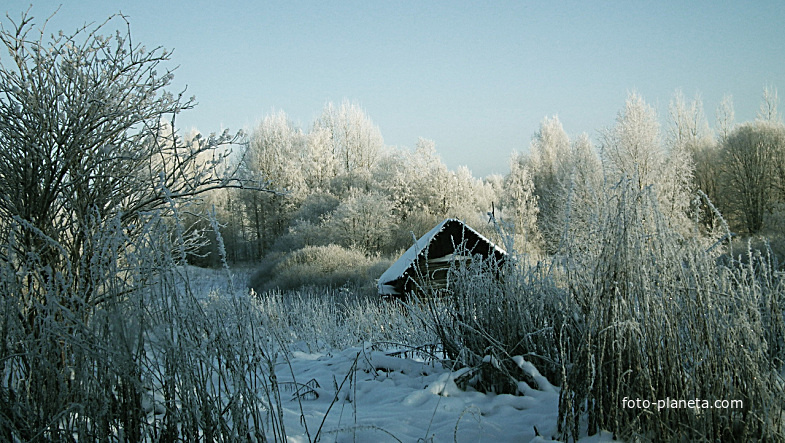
pixel 337 183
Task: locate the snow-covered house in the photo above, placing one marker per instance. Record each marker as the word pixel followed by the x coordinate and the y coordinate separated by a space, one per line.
pixel 426 264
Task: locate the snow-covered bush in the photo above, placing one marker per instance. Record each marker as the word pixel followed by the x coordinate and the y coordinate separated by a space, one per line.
pixel 515 311
pixel 320 266
pixel 362 220
pixel 90 232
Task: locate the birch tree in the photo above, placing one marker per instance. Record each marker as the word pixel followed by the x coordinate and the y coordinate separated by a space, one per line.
pixel 320 164
pixel 691 140
pixel 354 140
pixel 726 117
pixel 581 212
pixel 632 149
pixel 751 156
pixel 520 205
pixel 363 220
pixel 769 106
pixel 550 170
pixel 274 157
pixel 429 179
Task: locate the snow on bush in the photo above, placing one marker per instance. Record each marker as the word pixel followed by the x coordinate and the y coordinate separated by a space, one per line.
pixel 320 266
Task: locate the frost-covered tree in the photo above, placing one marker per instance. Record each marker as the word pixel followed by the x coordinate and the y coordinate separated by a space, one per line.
pixel 275 152
pixel 751 159
pixel 319 162
pixel 85 139
pixel 550 170
pixel 768 107
pixel 362 220
pixel 487 191
pixel 462 198
pixel 567 175
pixel 414 180
pixel 394 176
pixel 688 124
pixel 520 206
pixel 355 142
pixel 495 186
pixel 423 191
pixel 578 218
pixel 749 163
pixel 216 207
pixel 726 117
pixel 274 156
pixel 632 149
pixel 691 141
pixel 586 168
pixel 430 185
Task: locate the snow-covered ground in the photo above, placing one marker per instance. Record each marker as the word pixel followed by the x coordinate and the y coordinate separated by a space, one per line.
pixel 388 398
pixel 389 393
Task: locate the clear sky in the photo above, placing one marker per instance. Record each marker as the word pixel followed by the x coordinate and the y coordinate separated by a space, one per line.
pixel 475 77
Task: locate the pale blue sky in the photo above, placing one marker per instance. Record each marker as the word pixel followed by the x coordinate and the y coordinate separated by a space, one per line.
pixel 475 77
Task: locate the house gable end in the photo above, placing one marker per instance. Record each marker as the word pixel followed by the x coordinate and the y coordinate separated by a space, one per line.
pixel 432 254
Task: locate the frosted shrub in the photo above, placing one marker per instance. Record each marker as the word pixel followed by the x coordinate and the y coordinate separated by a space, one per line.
pixel 321 266
pixel 499 313
pixel 145 361
pixel 95 323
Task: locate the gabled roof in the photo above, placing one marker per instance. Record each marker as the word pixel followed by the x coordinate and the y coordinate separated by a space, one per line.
pixel 439 242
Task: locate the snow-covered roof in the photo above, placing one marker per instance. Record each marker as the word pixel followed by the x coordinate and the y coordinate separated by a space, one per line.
pixel 408 258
